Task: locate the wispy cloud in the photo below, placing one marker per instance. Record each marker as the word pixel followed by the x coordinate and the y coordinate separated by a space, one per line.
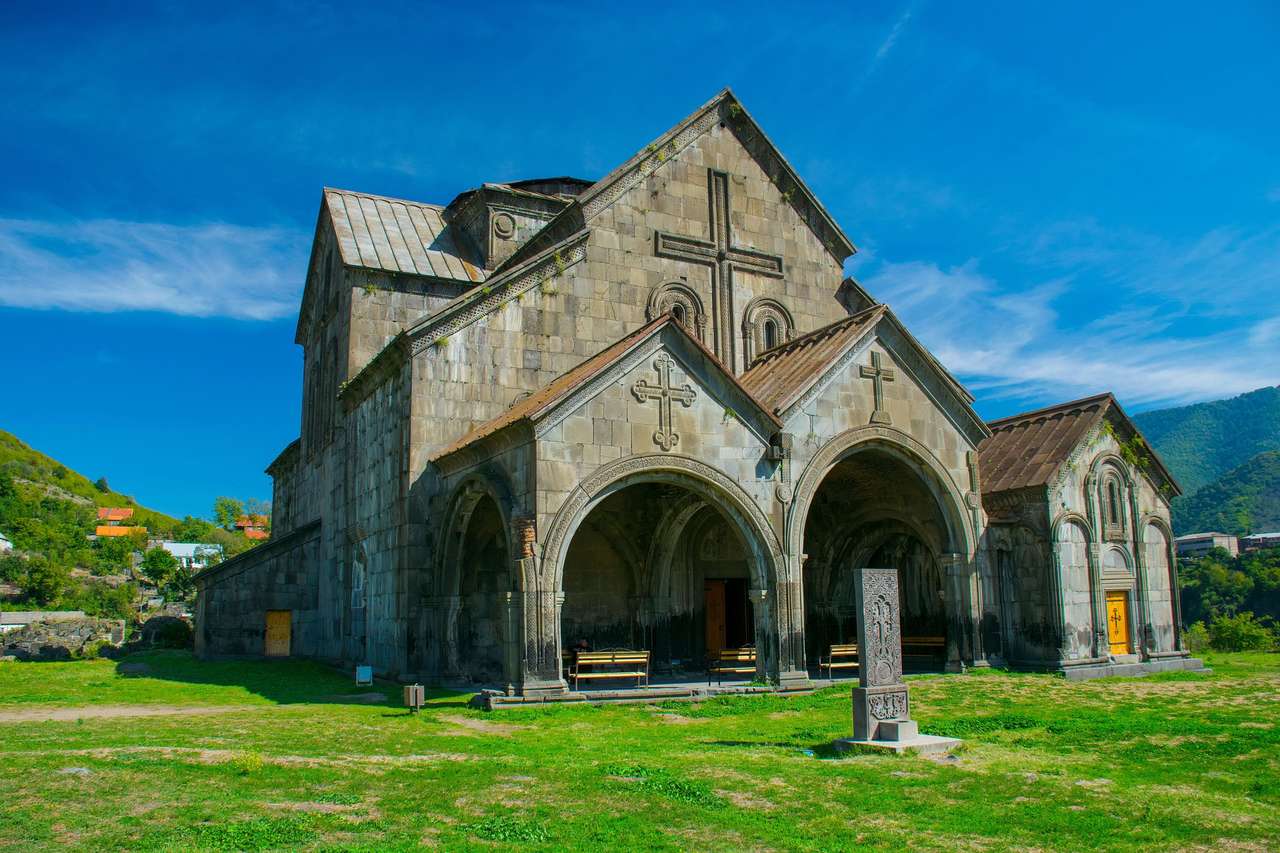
pixel 111 265
pixel 898 26
pixel 1009 342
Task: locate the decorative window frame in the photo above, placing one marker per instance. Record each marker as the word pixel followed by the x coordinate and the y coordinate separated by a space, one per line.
pixel 1112 495
pixel 758 313
pixel 666 297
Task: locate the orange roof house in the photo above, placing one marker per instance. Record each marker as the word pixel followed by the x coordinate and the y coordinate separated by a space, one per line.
pixel 254 526
pixel 110 520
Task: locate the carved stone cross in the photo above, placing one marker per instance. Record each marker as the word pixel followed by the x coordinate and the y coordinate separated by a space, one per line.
pixel 878 375
pixel 665 436
pixel 723 258
pixel 881 695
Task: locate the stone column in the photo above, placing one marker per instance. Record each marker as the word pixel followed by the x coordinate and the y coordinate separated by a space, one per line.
pixel 1146 635
pixel 789 623
pixel 1098 595
pixel 511 640
pixel 962 611
pixel 540 667
pixel 766 634
pixel 881 709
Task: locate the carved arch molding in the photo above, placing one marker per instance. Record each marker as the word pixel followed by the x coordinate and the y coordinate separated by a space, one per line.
pixel 597 486
pixel 766 323
pixel 934 474
pixel 681 301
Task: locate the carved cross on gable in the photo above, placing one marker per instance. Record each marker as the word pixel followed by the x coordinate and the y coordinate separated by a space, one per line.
pixel 878 375
pixel 665 435
pixel 723 257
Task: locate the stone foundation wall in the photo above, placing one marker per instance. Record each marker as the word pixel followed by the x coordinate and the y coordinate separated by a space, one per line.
pixel 233 598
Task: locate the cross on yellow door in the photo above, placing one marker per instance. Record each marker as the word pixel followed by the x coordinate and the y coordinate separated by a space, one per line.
pixel 1118 622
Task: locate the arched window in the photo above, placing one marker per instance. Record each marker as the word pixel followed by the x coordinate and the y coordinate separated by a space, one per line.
pixel 770 333
pixel 1111 505
pixel 681 302
pixel 765 325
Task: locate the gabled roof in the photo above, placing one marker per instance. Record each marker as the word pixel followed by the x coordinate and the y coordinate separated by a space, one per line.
pixel 780 376
pixel 399 236
pixel 1028 450
pixel 542 401
pixel 723 109
pixel 114 513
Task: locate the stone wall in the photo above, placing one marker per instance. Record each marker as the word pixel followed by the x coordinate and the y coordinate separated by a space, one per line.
pixel 234 597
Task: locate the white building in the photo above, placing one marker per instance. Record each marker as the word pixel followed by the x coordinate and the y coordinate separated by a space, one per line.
pixel 1260 540
pixel 193 555
pixel 1199 544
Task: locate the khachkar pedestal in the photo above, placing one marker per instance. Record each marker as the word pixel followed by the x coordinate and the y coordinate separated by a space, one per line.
pixel 881 705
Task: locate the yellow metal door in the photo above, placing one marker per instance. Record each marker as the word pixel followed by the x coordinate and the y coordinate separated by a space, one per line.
pixel 279 624
pixel 1118 622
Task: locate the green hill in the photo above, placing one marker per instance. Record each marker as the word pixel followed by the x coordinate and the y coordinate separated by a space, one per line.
pixel 1244 500
pixel 1202 442
pixel 36 474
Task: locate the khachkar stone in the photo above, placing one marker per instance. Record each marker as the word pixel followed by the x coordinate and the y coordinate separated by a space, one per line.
pixel 881 706
pixel 881 695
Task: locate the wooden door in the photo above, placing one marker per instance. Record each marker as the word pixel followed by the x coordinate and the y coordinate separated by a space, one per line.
pixel 279 629
pixel 1118 622
pixel 714 610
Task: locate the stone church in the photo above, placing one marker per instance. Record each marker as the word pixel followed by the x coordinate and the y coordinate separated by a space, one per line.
pixel 648 412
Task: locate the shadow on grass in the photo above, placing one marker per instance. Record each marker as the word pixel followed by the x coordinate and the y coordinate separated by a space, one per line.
pixel 284 682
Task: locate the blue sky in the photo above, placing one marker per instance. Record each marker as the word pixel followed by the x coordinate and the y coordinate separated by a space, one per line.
pixel 1058 199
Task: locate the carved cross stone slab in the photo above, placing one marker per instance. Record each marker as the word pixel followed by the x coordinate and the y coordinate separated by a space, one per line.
pixel 881 695
pixel 723 257
pixel 878 375
pixel 665 436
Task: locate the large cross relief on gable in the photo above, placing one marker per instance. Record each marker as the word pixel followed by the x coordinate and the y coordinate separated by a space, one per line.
pixel 723 258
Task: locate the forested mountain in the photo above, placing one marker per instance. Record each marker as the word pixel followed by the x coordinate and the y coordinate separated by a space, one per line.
pixel 1200 443
pixel 1224 455
pixel 1244 500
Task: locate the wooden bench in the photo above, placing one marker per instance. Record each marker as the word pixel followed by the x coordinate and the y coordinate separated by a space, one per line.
pixel 839 656
pixel 931 645
pixel 739 662
pixel 620 663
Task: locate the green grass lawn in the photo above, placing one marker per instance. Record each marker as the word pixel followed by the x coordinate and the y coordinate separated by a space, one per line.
pixel 291 755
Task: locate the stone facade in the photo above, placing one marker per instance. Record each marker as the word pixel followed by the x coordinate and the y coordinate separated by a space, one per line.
pixel 1091 528
pixel 643 411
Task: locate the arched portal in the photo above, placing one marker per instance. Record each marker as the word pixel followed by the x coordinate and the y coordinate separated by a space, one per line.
pixel 1160 590
pixel 655 566
pixel 874 509
pixel 479 628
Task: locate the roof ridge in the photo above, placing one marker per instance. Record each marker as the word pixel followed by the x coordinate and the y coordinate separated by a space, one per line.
pixel 1057 408
pixel 328 189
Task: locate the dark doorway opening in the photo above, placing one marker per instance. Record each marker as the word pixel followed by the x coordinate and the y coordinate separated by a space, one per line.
pixel 728 614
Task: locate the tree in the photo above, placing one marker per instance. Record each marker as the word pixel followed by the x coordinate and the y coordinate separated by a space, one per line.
pixel 192 529
pixel 102 485
pixel 111 554
pixel 226 511
pixel 45 581
pixel 159 567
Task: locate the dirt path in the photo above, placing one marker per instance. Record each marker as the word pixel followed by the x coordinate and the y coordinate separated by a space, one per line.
pixel 90 712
